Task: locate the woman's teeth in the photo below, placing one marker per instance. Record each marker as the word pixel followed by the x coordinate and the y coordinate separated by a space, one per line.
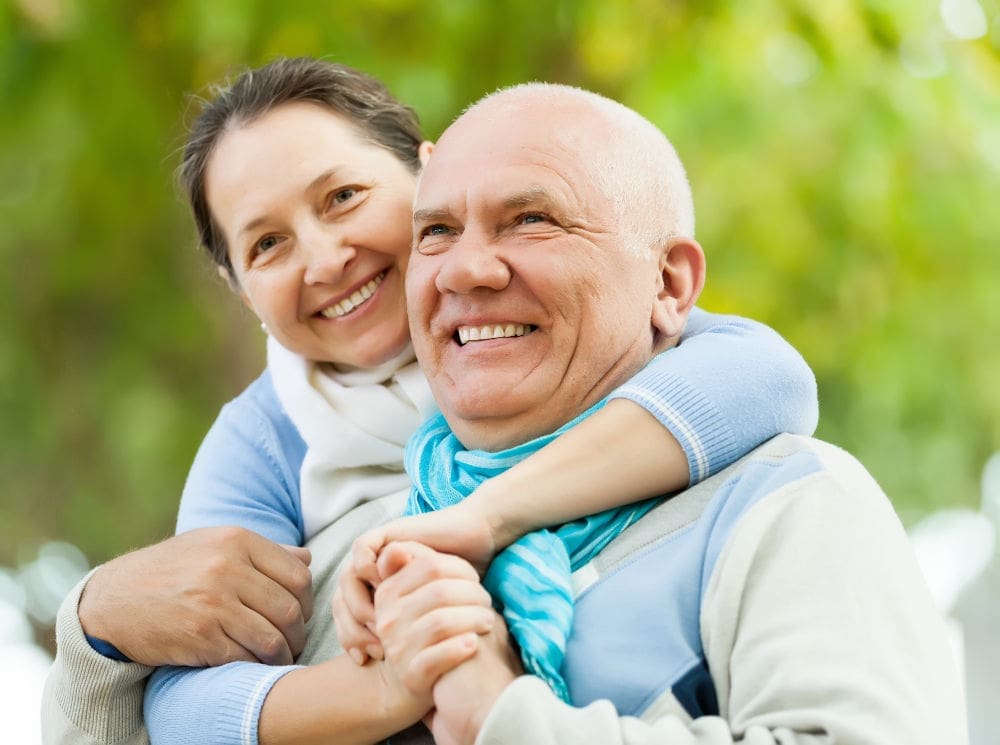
pixel 482 333
pixel 348 304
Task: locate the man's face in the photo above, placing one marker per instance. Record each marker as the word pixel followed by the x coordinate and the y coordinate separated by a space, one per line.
pixel 525 305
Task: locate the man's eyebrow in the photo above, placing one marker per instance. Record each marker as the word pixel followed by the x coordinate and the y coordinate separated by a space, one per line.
pixel 320 179
pixel 533 196
pixel 431 214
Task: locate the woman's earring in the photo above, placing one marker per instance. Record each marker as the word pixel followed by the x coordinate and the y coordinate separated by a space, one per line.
pixel 263 327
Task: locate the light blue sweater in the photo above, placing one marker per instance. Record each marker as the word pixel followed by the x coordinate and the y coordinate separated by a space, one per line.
pixel 730 385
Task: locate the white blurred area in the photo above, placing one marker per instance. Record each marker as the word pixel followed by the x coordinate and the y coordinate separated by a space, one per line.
pixel 958 552
pixel 32 592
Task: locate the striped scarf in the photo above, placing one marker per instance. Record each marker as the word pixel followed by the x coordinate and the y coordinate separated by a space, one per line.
pixel 530 580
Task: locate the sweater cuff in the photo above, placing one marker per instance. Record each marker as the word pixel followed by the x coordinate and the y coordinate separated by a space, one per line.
pixel 695 422
pixel 97 694
pixel 239 707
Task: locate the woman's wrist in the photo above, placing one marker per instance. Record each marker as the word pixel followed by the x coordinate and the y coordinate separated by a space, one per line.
pixel 495 505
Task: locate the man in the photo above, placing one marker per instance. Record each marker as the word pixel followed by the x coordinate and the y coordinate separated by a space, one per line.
pixel 779 601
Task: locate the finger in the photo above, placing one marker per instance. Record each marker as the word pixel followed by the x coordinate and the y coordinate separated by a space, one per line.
pixel 400 615
pixel 353 636
pixel 356 596
pixel 356 601
pixel 395 556
pixel 301 553
pixel 432 662
pixel 259 637
pixel 224 654
pixel 202 643
pixel 287 570
pixel 282 610
pixel 445 623
pixel 424 565
pixel 364 556
pixel 446 593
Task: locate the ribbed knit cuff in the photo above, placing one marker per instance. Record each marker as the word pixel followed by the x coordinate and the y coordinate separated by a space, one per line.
pixel 238 716
pixel 704 434
pixel 98 695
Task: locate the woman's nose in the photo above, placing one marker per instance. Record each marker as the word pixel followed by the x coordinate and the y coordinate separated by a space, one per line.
pixel 326 254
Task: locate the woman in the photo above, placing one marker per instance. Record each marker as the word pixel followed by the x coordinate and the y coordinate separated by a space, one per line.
pixel 300 177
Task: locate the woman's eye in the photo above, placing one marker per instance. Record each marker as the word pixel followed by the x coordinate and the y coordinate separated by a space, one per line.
pixel 266 243
pixel 339 197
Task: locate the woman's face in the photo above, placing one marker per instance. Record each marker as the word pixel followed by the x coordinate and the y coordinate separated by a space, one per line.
pixel 317 223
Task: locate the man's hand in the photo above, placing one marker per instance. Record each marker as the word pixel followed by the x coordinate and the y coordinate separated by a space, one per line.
pixel 203 598
pixel 464 696
pixel 464 530
pixel 429 611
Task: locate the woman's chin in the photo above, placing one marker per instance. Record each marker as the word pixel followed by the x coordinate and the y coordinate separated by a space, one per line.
pixel 372 356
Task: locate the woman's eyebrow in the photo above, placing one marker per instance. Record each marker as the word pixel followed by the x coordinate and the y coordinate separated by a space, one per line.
pixel 321 179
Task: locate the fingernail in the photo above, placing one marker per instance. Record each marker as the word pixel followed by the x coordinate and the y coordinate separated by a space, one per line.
pixel 357 655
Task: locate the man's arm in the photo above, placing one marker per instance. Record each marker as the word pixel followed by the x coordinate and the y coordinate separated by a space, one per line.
pixel 90 699
pixel 142 602
pixel 817 626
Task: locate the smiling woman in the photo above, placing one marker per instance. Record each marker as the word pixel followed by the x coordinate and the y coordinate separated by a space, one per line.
pixel 301 176
pixel 316 221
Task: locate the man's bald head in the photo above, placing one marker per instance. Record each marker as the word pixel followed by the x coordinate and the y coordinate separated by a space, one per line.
pixel 636 165
pixel 552 259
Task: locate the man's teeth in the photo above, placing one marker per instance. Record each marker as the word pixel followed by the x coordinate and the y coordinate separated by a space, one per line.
pixel 482 333
pixel 348 304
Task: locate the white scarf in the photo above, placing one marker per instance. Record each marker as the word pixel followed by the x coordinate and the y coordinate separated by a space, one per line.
pixel 355 425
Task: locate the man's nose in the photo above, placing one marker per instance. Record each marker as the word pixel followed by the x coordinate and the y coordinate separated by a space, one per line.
pixel 471 264
pixel 326 253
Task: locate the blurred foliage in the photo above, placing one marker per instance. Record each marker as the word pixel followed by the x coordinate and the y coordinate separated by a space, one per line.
pixel 842 154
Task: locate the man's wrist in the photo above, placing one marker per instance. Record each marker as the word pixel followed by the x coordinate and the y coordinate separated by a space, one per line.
pixel 97 619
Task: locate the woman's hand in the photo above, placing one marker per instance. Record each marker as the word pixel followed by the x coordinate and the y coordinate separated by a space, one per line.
pixel 430 610
pixel 202 598
pixel 464 530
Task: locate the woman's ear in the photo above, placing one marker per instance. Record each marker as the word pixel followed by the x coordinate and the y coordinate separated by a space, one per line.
pixel 681 280
pixel 229 279
pixel 424 152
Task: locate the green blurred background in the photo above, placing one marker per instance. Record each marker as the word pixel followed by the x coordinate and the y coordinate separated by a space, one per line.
pixel 845 158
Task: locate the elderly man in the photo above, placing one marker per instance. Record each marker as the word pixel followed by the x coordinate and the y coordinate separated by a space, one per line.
pixel 778 602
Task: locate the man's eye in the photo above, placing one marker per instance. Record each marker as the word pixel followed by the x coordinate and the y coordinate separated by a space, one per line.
pixel 435 230
pixel 533 217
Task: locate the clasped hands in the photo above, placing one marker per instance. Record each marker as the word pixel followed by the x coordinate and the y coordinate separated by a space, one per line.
pixel 420 611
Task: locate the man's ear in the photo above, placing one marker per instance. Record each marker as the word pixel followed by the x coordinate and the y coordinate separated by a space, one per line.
pixel 424 152
pixel 682 277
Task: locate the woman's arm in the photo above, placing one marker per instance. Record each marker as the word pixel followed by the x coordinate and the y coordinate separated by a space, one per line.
pixel 728 386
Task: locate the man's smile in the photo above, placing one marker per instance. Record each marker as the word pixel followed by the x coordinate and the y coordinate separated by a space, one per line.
pixel 465 334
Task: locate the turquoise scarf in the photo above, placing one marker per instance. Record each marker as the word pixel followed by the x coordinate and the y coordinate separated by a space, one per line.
pixel 530 580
